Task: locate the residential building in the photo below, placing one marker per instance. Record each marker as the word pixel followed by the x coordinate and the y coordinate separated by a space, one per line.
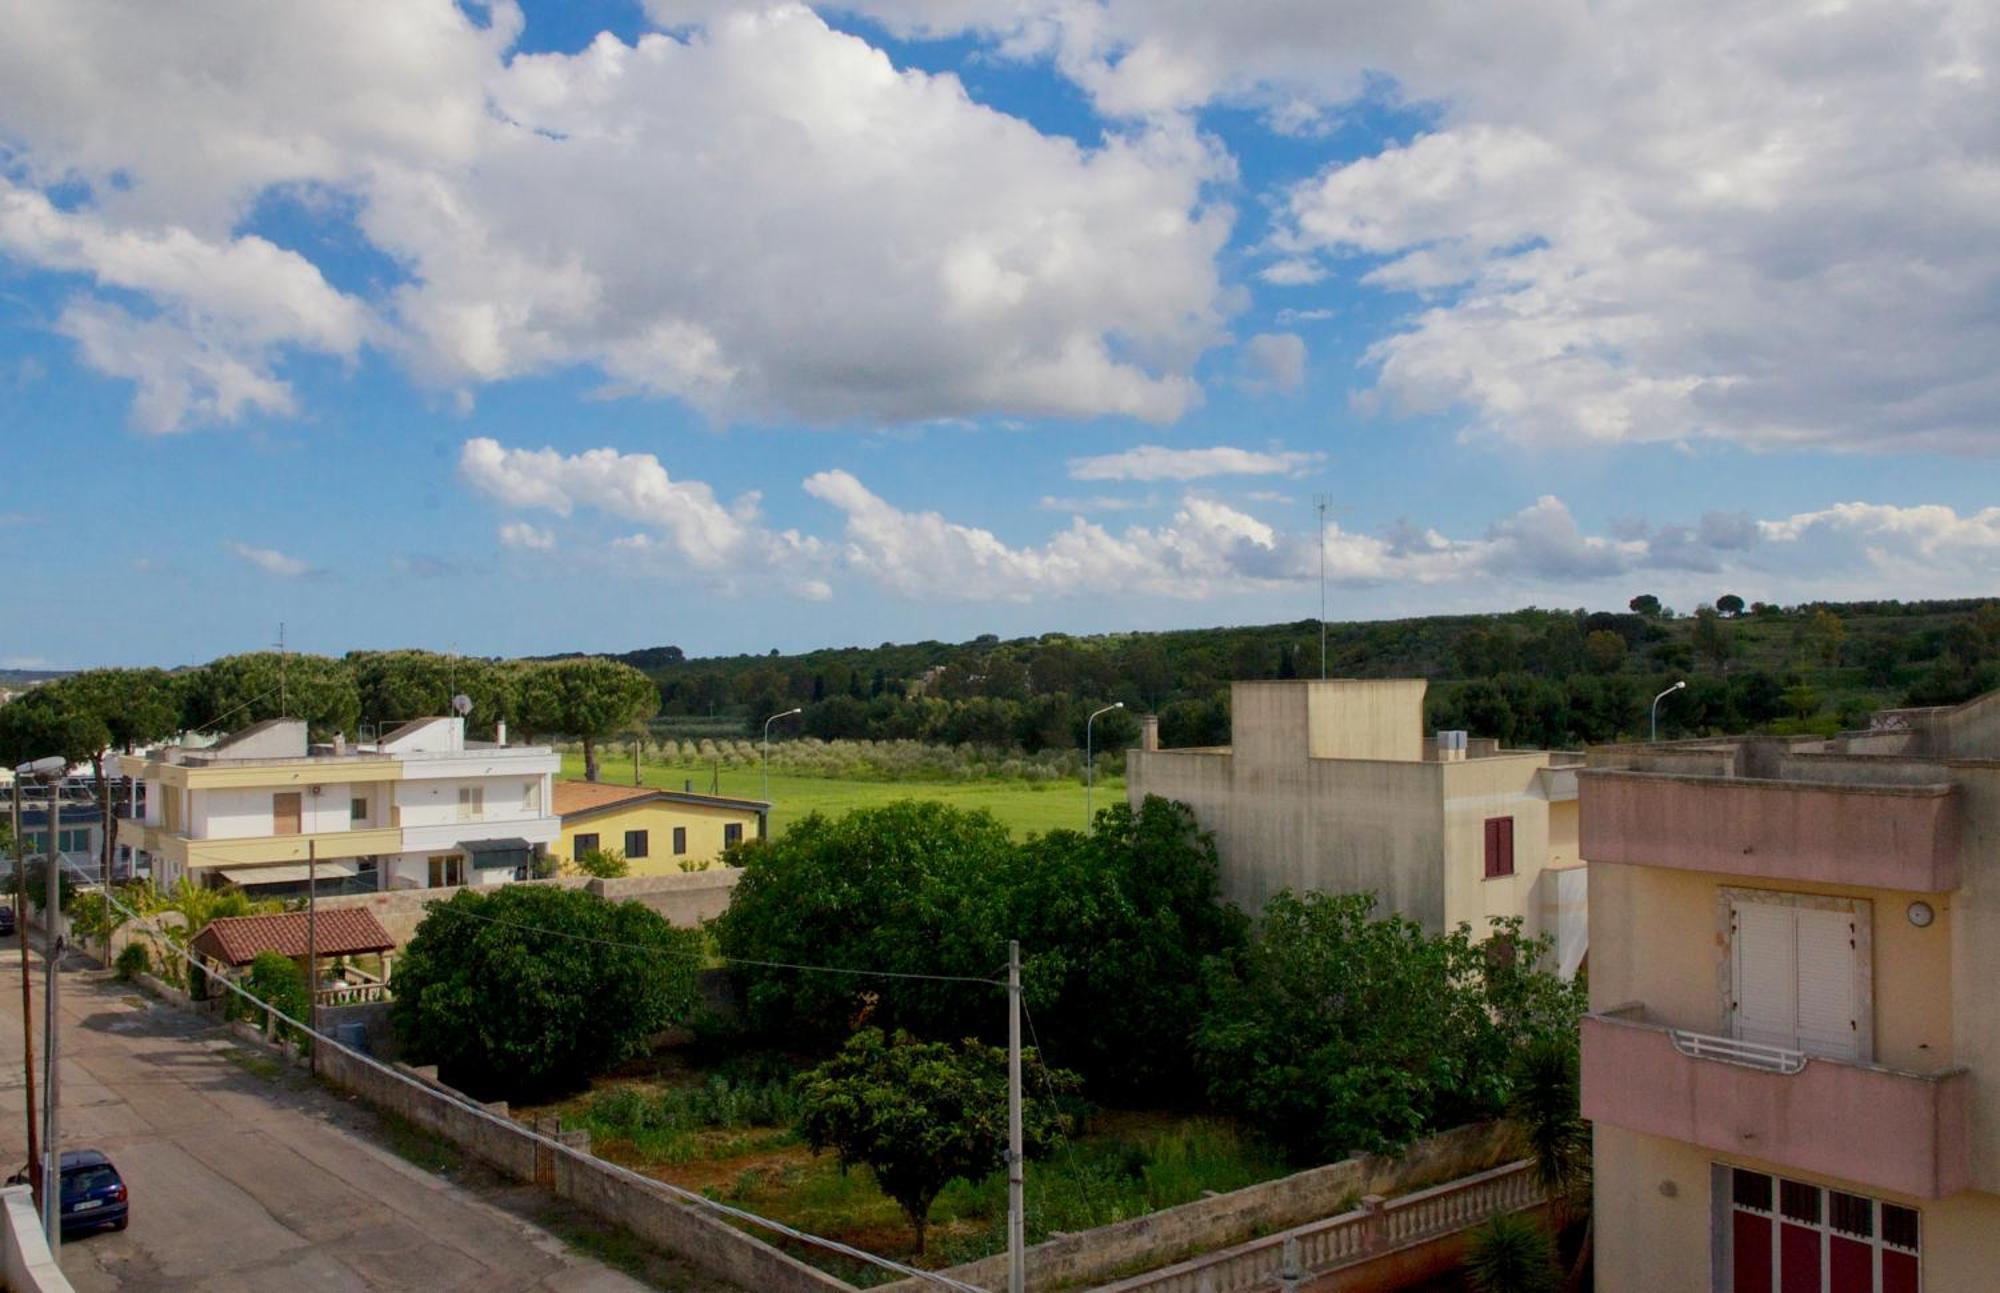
pixel 659 832
pixel 422 807
pixel 79 835
pixel 1792 1060
pixel 1331 785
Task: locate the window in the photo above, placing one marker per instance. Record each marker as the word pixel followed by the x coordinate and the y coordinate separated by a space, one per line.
pixel 732 834
pixel 1499 847
pixel 585 844
pixel 471 803
pixel 285 813
pixel 1796 975
pixel 358 809
pixel 73 841
pixel 680 840
pixel 1815 1238
pixel 635 844
pixel 447 870
pixel 531 798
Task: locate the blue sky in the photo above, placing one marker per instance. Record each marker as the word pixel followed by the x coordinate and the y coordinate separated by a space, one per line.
pixel 604 325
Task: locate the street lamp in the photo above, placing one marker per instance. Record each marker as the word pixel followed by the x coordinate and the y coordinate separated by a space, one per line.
pixel 50 772
pixel 767 748
pixel 1656 705
pixel 1089 762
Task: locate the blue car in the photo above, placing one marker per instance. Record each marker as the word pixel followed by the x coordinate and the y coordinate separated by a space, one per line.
pixel 93 1194
pixel 6 920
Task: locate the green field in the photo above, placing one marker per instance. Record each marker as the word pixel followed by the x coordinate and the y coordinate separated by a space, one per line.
pixel 1024 808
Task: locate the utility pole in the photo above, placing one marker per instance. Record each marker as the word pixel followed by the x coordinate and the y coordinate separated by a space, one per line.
pixel 51 1132
pixel 283 710
pixel 312 936
pixel 27 991
pixel 1319 502
pixel 1017 1183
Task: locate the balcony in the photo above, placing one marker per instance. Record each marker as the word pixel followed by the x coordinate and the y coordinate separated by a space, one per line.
pixel 1878 1127
pixel 1793 832
pixel 254 849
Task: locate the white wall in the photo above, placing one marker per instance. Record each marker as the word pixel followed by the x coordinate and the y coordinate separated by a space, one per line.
pixel 241 814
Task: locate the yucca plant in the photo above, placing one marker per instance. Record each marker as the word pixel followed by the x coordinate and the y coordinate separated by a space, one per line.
pixel 1511 1253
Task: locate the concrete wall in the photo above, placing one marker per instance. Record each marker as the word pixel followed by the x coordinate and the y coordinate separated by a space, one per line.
pixel 1164 1237
pixel 24 1252
pixel 1655 1206
pixel 683 899
pixel 1505 785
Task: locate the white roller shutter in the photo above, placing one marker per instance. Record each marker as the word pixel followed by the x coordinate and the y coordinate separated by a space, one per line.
pixel 1763 950
pixel 1826 957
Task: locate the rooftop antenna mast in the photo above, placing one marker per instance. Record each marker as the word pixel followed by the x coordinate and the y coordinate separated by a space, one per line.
pixel 1320 502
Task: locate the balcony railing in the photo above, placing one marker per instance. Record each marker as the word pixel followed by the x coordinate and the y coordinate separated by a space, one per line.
pixel 1888 1128
pixel 1796 832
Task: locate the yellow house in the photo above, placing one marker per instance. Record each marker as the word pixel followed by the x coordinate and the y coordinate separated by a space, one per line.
pixel 659 832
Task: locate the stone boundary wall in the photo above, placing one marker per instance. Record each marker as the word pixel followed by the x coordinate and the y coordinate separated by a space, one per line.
pixel 1164 1237
pixel 25 1261
pixel 685 900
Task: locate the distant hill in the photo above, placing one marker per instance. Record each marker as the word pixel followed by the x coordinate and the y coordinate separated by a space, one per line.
pixel 1530 675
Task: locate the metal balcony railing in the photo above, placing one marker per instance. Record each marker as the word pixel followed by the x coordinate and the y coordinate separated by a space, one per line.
pixel 1732 1050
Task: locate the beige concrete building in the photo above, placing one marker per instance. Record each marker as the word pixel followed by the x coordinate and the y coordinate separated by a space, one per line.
pixel 1792 1061
pixel 1332 786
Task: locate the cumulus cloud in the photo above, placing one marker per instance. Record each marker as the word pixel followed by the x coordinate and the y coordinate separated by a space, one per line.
pixel 269 560
pixel 763 217
pixel 1157 462
pixel 1292 272
pixel 1275 361
pixel 1624 223
pixel 526 538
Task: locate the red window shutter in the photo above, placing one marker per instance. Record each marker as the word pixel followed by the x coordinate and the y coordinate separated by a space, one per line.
pixel 1499 847
pixel 1506 846
pixel 1492 847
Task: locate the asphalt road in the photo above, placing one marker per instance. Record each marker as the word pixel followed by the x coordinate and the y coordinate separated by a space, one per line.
pixel 247 1177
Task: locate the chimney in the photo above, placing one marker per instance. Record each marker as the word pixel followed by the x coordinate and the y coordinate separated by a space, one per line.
pixel 1149 731
pixel 500 732
pixel 339 744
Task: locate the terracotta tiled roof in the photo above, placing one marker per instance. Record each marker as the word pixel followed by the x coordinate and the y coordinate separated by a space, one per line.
pixel 343 931
pixel 574 798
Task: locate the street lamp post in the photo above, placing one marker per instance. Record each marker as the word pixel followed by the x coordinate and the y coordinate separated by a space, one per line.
pixel 312 933
pixel 767 748
pixel 1090 761
pixel 50 771
pixel 1656 705
pixel 27 992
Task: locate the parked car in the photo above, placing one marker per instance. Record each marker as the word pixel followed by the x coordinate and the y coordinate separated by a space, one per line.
pixel 6 920
pixel 93 1194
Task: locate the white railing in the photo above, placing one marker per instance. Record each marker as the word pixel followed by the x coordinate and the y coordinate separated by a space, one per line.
pixel 1732 1050
pixel 1379 1226
pixel 354 994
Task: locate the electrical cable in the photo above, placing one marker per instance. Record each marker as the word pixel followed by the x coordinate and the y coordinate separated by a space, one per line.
pixel 469 1106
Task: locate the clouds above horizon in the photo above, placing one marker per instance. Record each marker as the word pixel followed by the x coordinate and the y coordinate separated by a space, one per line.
pixel 1152 462
pixel 1208 548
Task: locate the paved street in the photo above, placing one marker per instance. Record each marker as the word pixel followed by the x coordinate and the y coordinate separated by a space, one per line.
pixel 244 1178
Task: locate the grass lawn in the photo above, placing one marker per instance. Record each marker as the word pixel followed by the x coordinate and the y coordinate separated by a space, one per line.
pixel 733 1141
pixel 1024 808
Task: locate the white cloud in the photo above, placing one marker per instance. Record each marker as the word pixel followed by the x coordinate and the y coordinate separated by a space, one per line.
pixel 1292 272
pixel 1157 462
pixel 526 537
pixel 1093 503
pixel 765 218
pixel 1275 361
pixel 1870 548
pixel 269 560
pixel 1628 223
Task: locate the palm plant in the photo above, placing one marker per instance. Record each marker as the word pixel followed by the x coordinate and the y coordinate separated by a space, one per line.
pixel 1547 1105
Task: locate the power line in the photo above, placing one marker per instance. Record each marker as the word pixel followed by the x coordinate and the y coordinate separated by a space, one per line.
pixel 471 1107
pixel 726 960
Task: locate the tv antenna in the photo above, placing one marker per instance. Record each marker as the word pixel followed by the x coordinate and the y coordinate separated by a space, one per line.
pixel 1320 504
pixel 461 704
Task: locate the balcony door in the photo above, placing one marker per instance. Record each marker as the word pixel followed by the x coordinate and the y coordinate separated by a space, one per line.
pixel 1787 1236
pixel 1799 974
pixel 285 813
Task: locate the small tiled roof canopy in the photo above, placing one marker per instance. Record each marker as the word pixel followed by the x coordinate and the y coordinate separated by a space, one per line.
pixel 344 931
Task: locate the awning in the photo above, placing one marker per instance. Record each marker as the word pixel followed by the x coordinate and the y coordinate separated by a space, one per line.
pixel 489 855
pixel 290 873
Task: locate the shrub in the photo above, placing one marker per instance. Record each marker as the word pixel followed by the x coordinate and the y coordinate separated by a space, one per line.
pixel 277 981
pixel 1512 1254
pixel 133 961
pixel 527 991
pixel 605 864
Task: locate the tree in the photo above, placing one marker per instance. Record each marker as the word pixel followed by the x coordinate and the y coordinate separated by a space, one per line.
pixel 605 864
pixel 229 694
pixel 1645 604
pixel 1114 926
pixel 1730 605
pixel 122 708
pixel 1336 1032
pixel 1605 651
pixel 923 1114
pixel 1823 635
pixel 588 698
pixel 528 991
pixel 396 686
pixel 1547 1106
pixel 906 887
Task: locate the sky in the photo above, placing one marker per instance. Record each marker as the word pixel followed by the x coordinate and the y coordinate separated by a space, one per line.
pixel 596 325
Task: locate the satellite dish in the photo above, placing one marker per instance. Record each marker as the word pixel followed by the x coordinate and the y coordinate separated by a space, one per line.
pixel 461 704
